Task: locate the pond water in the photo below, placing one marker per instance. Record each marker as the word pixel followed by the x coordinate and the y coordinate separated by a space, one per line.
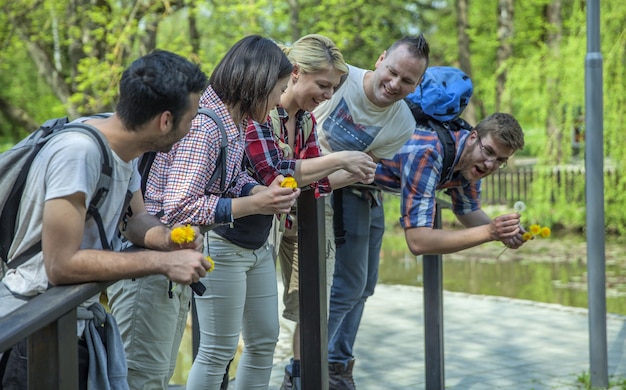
pixel 552 270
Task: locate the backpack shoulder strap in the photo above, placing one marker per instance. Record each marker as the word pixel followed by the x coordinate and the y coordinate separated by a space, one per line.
pixel 221 163
pixel 277 126
pixel 307 125
pixel 143 166
pixel 104 182
pixel 449 147
pixel 307 128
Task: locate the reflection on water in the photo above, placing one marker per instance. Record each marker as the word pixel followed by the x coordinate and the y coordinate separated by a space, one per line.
pixel 548 271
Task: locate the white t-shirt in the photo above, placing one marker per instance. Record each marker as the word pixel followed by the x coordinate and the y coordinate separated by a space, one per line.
pixel 67 164
pixel 350 121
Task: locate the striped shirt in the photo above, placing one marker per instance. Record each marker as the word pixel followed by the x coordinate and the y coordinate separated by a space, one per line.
pixel 415 172
pixel 178 180
pixel 266 158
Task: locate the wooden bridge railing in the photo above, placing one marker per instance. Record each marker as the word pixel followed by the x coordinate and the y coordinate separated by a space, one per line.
pixel 49 323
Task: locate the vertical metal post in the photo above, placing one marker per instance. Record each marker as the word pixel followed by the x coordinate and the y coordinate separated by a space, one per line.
pixel 594 190
pixel 312 273
pixel 433 316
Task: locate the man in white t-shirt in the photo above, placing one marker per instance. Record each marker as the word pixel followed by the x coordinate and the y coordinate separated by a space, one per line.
pixel 367 114
pixel 158 99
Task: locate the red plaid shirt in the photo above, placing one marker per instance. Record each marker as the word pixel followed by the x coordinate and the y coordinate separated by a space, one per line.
pixel 266 158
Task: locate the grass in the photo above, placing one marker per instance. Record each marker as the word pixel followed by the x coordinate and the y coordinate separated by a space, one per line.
pixel 616 383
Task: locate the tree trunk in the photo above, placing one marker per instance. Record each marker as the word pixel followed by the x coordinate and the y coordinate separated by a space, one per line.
pixel 555 116
pixel 194 34
pixel 148 39
pixel 18 118
pixel 465 62
pixel 504 51
pixel 53 77
pixel 294 16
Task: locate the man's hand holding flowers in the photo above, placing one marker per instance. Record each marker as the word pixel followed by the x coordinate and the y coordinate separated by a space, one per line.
pixel 186 237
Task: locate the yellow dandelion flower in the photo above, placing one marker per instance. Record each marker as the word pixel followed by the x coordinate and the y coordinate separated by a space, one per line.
pixel 545 232
pixel 210 260
pixel 183 234
pixel 289 182
pixel 527 236
pixel 534 229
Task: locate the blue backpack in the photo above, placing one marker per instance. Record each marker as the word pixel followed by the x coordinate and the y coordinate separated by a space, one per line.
pixel 437 103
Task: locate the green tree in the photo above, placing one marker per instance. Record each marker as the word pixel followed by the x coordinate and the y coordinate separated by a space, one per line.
pixel 64 57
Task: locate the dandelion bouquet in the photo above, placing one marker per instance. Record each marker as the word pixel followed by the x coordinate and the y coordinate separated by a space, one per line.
pixel 184 235
pixel 289 182
pixel 534 230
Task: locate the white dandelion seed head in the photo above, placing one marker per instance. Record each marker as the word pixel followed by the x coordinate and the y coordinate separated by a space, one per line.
pixel 519 206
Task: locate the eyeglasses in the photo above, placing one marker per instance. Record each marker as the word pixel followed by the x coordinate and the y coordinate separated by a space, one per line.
pixel 491 156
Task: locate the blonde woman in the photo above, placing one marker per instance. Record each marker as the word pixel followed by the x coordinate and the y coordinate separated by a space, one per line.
pixel 287 145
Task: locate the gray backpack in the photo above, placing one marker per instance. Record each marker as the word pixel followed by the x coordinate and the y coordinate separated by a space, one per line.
pixel 14 167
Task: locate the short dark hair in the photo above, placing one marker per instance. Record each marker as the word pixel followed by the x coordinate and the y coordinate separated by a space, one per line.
pixel 157 82
pixel 503 128
pixel 248 72
pixel 417 46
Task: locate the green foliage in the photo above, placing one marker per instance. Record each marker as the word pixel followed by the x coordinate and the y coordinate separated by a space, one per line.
pixel 83 47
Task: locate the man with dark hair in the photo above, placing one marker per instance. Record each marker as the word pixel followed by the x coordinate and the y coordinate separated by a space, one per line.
pixel 366 114
pixel 159 96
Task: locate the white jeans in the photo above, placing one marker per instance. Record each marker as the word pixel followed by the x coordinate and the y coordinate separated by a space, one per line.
pixel 241 296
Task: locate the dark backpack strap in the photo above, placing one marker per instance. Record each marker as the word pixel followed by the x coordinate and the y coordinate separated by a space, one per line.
pixel 95 214
pixel 145 163
pixel 449 147
pixel 221 163
pixel 104 182
pixel 28 254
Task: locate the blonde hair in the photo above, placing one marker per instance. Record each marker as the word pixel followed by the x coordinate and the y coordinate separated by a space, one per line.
pixel 315 52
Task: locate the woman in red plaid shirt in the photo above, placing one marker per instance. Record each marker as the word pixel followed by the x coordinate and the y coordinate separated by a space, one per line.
pixel 287 145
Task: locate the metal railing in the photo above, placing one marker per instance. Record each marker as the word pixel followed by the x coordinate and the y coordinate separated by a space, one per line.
pixel 48 322
pixel 509 185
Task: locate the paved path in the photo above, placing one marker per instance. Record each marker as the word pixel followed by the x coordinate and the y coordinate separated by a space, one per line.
pixel 490 343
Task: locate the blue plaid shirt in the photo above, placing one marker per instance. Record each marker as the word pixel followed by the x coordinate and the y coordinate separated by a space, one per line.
pixel 415 172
